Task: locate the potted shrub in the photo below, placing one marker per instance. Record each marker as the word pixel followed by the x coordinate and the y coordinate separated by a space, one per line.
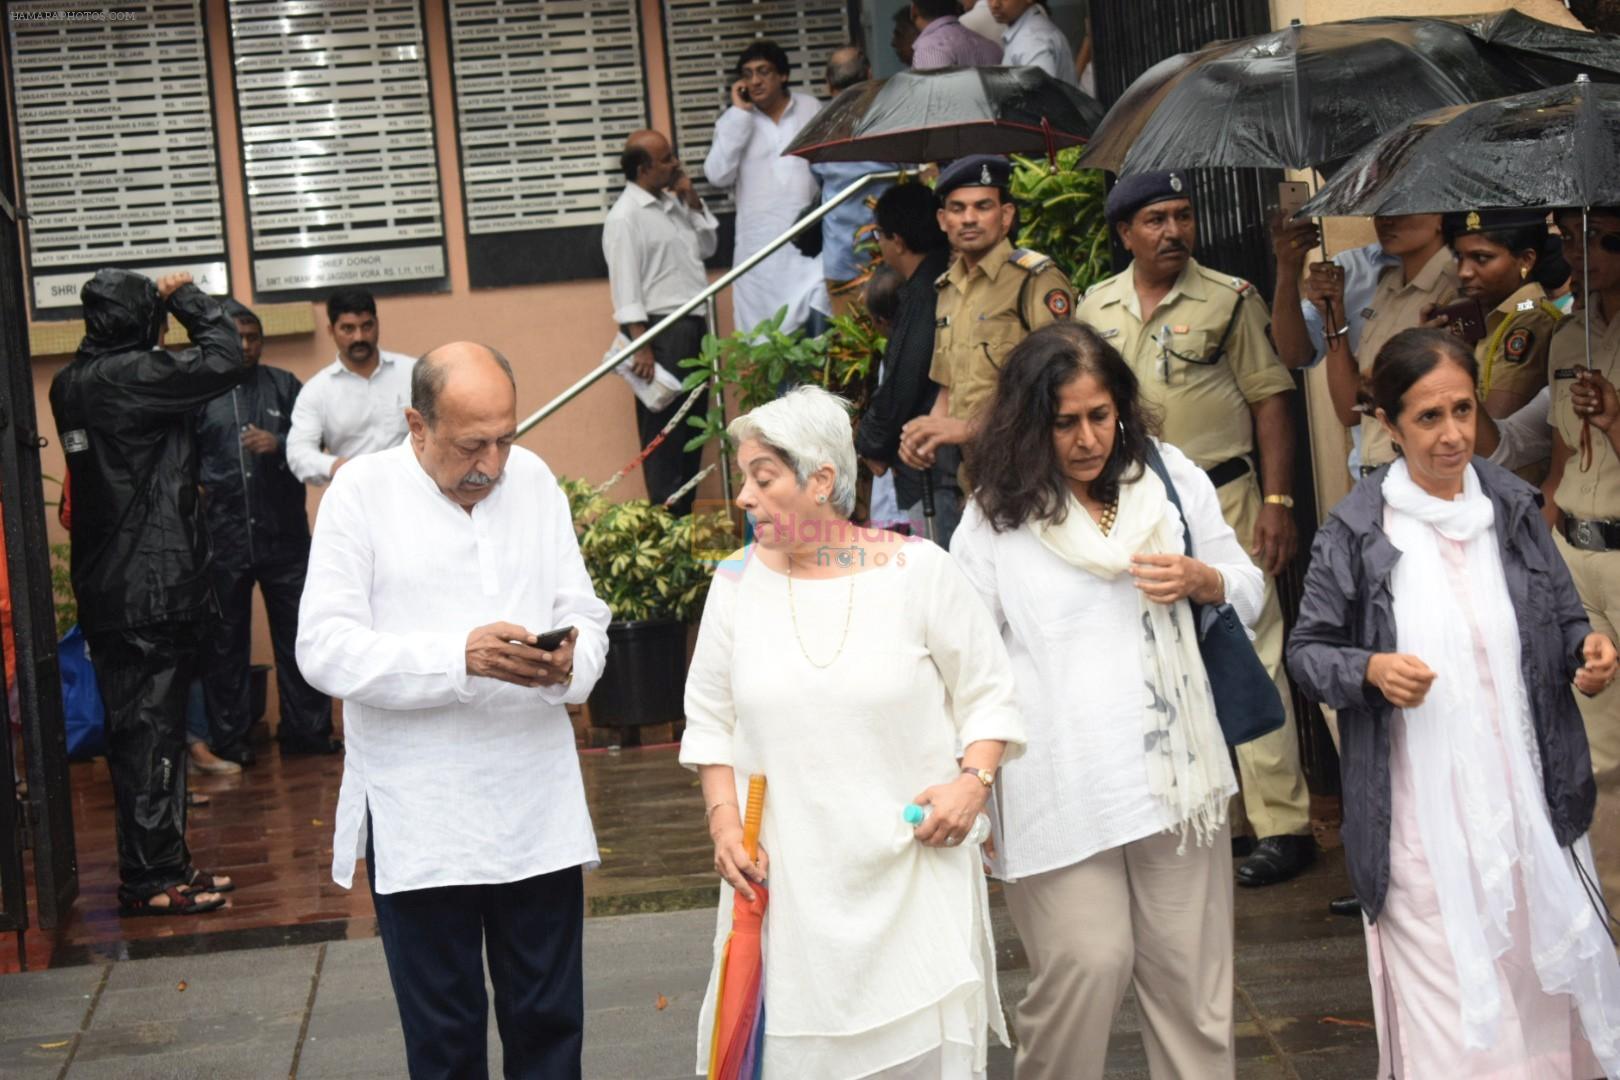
pixel 652 569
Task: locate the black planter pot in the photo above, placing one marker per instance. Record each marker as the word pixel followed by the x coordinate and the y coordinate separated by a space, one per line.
pixel 644 681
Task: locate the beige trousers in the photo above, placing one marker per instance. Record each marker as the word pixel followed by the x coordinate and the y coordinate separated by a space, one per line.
pixel 1272 780
pixel 1597 579
pixel 1133 915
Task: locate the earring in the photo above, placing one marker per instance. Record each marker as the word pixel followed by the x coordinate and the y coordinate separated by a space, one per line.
pixel 821 498
pixel 1121 425
pixel 1524 272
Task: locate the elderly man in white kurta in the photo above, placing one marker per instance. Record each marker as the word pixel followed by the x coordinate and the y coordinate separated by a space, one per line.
pixel 770 189
pixel 436 567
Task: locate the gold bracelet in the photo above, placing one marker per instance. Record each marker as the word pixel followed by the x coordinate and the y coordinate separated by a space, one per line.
pixel 710 811
pixel 1280 500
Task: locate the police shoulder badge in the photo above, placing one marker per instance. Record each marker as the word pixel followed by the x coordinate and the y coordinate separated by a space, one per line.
pixel 1059 304
pixel 1518 345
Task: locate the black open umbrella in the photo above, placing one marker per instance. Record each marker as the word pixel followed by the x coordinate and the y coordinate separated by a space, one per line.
pixel 920 116
pixel 1550 148
pixel 1310 96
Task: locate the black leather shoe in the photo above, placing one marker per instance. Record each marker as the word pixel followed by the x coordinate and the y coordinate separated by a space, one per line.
pixel 1242 847
pixel 1348 906
pixel 320 744
pixel 1276 859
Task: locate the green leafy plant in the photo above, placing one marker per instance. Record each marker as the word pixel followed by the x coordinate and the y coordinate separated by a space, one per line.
pixel 67 606
pixel 1060 210
pixel 645 562
pixel 753 366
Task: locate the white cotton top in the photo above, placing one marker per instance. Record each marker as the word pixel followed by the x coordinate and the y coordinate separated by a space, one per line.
pixel 339 414
pixel 771 191
pixel 1074 640
pixel 877 948
pixel 469 780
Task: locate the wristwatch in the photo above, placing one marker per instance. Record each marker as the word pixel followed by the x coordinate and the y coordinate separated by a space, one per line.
pixel 983 776
pixel 1280 500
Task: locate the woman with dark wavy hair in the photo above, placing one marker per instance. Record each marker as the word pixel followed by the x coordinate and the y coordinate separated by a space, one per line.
pixel 1111 831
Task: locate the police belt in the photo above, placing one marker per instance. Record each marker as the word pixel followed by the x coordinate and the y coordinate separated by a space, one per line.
pixel 1585 535
pixel 1228 471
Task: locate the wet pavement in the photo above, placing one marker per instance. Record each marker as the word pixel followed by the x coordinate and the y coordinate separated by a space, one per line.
pixel 291 982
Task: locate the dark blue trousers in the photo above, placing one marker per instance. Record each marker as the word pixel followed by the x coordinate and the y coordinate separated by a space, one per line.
pixel 435 941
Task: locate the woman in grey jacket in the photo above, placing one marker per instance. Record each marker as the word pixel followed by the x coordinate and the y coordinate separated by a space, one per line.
pixel 1441 623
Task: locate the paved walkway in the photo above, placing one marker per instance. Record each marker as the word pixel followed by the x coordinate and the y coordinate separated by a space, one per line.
pixel 326 1010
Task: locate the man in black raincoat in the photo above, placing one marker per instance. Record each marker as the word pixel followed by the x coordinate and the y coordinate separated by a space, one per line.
pixel 258 531
pixel 125 412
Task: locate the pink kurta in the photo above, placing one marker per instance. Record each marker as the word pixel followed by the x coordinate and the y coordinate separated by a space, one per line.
pixel 1416 998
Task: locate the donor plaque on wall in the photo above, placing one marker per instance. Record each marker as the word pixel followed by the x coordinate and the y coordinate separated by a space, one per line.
pixel 115 135
pixel 545 95
pixel 338 153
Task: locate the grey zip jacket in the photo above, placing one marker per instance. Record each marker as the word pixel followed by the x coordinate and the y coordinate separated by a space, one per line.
pixel 1347 615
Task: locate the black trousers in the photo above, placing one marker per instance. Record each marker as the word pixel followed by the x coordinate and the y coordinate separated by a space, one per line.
pixel 306 713
pixel 435 940
pixel 143 674
pixel 671 465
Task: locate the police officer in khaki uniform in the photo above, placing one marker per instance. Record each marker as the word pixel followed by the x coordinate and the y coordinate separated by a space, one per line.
pixel 1199 343
pixel 989 300
pixel 1583 491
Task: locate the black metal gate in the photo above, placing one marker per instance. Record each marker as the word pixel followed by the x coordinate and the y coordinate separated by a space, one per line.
pixel 44 819
pixel 1234 206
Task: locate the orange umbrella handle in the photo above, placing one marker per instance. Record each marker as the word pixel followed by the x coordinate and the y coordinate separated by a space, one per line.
pixel 753 814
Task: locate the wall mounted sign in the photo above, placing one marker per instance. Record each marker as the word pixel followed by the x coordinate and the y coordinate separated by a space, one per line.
pixel 115 132
pixel 545 95
pixel 338 153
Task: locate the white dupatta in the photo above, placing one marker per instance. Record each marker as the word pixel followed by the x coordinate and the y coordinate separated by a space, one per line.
pixel 1189 769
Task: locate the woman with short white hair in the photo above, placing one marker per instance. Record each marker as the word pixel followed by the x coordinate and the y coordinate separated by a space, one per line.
pixel 825 661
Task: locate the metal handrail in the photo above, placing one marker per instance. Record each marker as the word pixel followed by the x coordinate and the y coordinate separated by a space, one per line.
pixel 715 287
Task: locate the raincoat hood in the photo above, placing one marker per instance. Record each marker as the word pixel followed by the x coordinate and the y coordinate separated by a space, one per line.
pixel 122 311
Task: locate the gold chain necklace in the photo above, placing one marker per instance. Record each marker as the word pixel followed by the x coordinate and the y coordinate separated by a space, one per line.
pixel 793 615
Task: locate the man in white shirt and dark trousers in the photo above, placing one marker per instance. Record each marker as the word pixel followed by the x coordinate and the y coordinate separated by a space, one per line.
pixel 437 565
pixel 770 189
pixel 356 404
pixel 1033 39
pixel 655 240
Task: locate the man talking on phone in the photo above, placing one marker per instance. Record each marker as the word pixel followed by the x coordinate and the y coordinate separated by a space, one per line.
pixel 437 567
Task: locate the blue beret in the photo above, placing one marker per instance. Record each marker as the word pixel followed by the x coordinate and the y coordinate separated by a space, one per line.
pixel 1137 190
pixel 977 170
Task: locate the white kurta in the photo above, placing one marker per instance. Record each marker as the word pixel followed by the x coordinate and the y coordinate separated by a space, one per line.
pixel 1076 653
pixel 877 948
pixel 770 190
pixel 468 780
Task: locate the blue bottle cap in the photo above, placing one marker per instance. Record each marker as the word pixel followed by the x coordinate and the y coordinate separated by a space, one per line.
pixel 913 814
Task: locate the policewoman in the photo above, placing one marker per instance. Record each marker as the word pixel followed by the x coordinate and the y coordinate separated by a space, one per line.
pixel 988 300
pixel 1583 489
pixel 1197 341
pixel 1508 261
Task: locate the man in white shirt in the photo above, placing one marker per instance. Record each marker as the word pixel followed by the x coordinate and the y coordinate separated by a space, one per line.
pixel 357 404
pixel 1032 38
pixel 436 565
pixel 978 17
pixel 655 240
pixel 770 189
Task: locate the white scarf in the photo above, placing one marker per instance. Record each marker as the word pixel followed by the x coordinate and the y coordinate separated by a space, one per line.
pixel 1481 807
pixel 1188 767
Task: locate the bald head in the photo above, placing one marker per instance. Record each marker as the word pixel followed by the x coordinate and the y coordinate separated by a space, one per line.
pixel 461 369
pixel 649 160
pixel 846 67
pixel 463 419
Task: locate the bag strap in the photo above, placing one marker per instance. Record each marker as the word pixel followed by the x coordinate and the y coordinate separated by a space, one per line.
pixel 1156 463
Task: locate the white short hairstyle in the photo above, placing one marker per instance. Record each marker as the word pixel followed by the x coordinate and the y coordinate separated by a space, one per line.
pixel 808 428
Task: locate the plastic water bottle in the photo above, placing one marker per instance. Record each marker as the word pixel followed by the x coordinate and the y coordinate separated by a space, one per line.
pixel 915 815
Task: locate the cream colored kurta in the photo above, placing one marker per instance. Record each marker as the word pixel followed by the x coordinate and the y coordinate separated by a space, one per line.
pixel 877 949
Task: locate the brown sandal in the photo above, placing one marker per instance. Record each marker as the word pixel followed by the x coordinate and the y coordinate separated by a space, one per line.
pixel 180 903
pixel 203 881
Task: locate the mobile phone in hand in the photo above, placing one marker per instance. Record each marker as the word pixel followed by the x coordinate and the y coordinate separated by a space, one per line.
pixel 552 639
pixel 1291 195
